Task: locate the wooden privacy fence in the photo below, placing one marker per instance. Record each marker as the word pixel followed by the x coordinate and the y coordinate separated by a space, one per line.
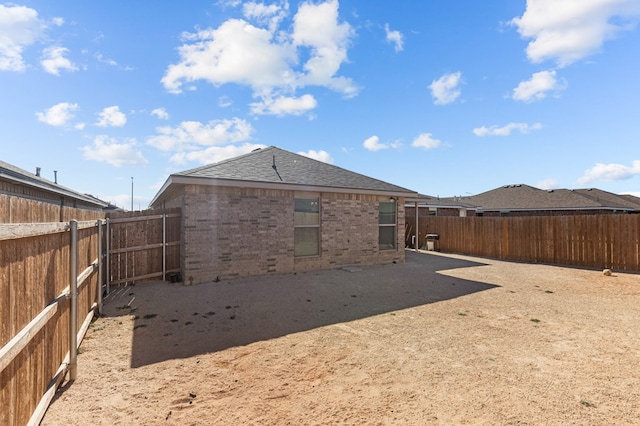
pixel 51 274
pixel 143 245
pixel 592 241
pixel 14 209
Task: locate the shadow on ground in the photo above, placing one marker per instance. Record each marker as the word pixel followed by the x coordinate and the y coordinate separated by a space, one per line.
pixel 176 321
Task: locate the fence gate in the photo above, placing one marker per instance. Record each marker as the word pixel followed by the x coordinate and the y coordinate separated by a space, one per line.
pixel 142 246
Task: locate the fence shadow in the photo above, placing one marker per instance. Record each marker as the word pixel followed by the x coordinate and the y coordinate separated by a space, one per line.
pixel 176 321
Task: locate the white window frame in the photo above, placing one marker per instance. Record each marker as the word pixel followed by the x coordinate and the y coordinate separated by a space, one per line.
pixel 393 225
pixel 297 226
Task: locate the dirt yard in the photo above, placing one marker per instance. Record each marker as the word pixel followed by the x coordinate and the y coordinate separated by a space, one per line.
pixel 438 340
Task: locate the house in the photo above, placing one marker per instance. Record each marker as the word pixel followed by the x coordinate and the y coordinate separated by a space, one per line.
pixel 525 200
pixel 435 206
pixel 273 211
pixel 18 183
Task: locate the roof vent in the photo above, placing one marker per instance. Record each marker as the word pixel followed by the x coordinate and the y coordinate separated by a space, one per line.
pixel 257 149
pixel 38 171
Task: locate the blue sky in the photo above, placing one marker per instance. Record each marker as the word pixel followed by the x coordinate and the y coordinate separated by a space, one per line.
pixel 445 97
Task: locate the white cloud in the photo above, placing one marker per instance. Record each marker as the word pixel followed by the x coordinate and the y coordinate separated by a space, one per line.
pixel 321 155
pixel 548 184
pixel 235 52
pixel 445 90
pixel 610 172
pixel 58 21
pixel 214 154
pixel 426 141
pixel 373 144
pixel 191 135
pixel 20 27
pixel 316 26
pixel 394 37
pixel 100 57
pixel 284 105
pixel 112 117
pixel 506 130
pixel 53 60
pixel 160 113
pixel 58 115
pixel 569 30
pixel 267 59
pixel 229 3
pixel 108 150
pixel 224 102
pixel 537 87
pixel 270 15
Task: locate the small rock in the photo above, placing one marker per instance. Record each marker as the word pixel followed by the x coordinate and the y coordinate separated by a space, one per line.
pixel 606 272
pixel 192 394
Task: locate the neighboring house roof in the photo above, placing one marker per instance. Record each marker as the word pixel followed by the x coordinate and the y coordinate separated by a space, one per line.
pixel 437 202
pixel 632 198
pixel 524 197
pixel 273 167
pixel 18 176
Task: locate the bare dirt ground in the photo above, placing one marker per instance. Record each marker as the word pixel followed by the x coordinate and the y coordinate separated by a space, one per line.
pixel 440 340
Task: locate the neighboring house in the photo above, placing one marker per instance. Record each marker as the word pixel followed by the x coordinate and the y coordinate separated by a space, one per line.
pixel 16 182
pixel 273 211
pixel 436 206
pixel 525 200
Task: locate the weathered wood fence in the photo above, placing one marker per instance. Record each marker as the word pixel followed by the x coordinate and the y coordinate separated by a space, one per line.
pixel 143 245
pixel 51 282
pixel 591 241
pixel 15 209
pixel 50 279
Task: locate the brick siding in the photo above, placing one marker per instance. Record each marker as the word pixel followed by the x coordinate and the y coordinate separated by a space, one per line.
pixel 230 232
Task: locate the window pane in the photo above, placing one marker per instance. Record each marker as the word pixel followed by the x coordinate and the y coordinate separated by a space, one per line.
pixel 307 211
pixel 387 213
pixel 306 241
pixel 387 237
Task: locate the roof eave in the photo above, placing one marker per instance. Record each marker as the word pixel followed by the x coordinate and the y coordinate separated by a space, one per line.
pixel 188 180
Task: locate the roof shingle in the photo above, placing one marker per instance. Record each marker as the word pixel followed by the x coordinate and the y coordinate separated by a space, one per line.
pixel 278 166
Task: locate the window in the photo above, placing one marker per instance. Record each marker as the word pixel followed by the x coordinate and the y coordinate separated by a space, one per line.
pixel 387 225
pixel 307 226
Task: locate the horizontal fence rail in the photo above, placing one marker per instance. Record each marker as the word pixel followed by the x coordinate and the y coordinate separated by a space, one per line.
pixel 40 289
pixel 52 270
pixel 143 245
pixel 591 241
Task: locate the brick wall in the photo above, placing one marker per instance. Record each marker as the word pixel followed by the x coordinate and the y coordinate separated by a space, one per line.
pixel 230 232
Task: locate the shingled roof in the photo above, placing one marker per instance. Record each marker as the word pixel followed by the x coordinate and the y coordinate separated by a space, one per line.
pixel 525 197
pixel 18 176
pixel 276 167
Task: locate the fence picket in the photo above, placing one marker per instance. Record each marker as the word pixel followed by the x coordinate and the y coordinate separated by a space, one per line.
pixel 592 241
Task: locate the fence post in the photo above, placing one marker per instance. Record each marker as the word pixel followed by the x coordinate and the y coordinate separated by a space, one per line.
pixel 108 256
pixel 164 246
pixel 100 260
pixel 73 308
